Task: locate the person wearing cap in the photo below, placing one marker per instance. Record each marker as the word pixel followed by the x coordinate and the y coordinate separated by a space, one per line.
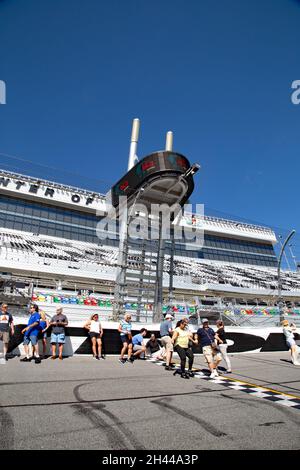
pixel 166 330
pixel 288 331
pixel 206 336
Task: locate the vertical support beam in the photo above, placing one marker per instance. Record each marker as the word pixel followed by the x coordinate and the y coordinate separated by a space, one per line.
pixel 171 271
pixel 157 312
pixel 118 308
pixel 141 282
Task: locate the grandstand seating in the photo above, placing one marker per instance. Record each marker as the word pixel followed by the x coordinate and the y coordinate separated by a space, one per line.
pixel 100 262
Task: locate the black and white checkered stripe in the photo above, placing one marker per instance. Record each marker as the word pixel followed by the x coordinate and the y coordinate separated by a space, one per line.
pixel 253 390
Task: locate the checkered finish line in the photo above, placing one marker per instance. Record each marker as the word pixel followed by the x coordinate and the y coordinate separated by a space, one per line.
pixel 254 390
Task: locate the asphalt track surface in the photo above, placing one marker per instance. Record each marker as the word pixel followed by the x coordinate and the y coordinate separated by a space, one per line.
pixel 81 403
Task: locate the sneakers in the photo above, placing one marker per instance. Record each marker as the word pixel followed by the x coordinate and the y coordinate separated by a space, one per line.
pixel 131 360
pixel 122 361
pixel 214 374
pixel 37 360
pixel 25 359
pixel 184 375
pixel 191 373
pixel 96 357
pixel 102 356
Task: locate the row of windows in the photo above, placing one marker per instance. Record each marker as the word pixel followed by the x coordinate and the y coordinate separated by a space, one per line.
pixel 46 212
pixel 27 216
pixel 243 260
pixel 52 228
pixel 251 247
pixel 49 212
pixel 239 242
pixel 84 235
pixel 237 254
pixel 238 257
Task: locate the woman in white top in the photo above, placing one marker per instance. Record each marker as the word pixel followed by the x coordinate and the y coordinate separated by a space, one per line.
pixel 95 333
pixel 288 331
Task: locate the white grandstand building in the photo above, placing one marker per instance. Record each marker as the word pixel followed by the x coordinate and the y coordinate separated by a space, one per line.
pixel 50 252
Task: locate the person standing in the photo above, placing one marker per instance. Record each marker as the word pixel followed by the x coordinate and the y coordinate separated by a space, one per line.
pixel 44 323
pixel 6 327
pixel 95 333
pixel 288 331
pixel 222 343
pixel 124 329
pixel 58 335
pixel 166 330
pixel 31 335
pixel 206 336
pixel 181 338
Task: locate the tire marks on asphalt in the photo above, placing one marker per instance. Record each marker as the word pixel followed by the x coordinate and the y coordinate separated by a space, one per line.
pixel 7 431
pixel 118 434
pixel 204 424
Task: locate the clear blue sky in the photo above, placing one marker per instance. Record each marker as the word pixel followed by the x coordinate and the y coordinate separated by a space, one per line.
pixel 217 73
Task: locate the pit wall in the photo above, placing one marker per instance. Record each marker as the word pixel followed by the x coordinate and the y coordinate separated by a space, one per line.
pixel 241 340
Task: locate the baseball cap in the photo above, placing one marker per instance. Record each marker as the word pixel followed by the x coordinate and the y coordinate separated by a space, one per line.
pixel 168 317
pixel 205 320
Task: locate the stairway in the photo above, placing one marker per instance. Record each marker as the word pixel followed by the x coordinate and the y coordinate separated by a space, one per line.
pixel 137 280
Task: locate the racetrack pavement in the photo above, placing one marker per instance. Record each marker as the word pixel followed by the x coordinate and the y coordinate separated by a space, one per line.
pixel 81 403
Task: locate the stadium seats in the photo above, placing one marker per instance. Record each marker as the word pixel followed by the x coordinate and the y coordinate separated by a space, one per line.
pixel 33 252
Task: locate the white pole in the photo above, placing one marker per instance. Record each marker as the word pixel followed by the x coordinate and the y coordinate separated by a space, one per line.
pixel 133 143
pixel 169 141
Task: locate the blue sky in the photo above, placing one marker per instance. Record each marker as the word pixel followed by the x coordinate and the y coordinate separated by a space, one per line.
pixel 217 73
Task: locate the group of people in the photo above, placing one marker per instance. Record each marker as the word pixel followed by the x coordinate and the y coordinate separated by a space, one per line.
pixel 36 329
pixel 179 339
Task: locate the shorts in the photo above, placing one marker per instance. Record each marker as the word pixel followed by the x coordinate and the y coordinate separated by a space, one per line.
pixel 290 343
pixel 94 335
pixel 4 336
pixel 30 339
pixel 42 335
pixel 166 342
pixel 211 355
pixel 57 338
pixel 125 339
pixel 137 347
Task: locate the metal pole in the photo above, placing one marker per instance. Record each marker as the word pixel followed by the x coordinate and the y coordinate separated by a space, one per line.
pixel 293 256
pixel 280 300
pixel 286 259
pixel 171 271
pixel 157 313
